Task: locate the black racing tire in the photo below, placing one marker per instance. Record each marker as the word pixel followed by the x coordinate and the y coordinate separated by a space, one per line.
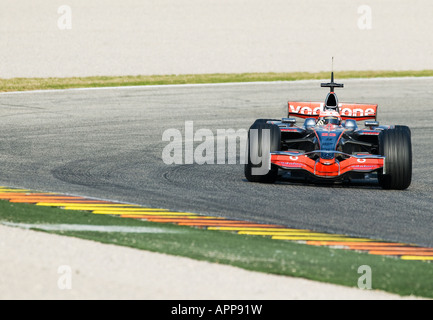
pixel 275 145
pixel 395 144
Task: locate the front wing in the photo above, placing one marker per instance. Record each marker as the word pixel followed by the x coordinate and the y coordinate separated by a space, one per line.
pixel 324 168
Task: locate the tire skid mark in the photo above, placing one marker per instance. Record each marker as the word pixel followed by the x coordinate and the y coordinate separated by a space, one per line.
pixel 160 215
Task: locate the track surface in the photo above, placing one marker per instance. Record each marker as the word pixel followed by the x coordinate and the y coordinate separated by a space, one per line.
pixel 108 143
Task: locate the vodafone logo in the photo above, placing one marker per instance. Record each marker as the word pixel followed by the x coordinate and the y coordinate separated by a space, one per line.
pixel 347 110
pixel 307 110
pixel 357 112
pixel 361 160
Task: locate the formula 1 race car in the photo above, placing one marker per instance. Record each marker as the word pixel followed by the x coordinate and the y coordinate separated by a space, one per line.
pixel 329 145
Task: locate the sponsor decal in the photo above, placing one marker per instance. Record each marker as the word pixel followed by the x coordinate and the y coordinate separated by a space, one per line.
pixel 364 166
pixel 289 130
pixel 357 112
pixel 306 110
pixel 289 164
pixel 326 134
pixel 346 110
pixel 372 133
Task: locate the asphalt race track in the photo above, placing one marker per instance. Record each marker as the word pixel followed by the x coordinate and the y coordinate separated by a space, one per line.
pixel 107 143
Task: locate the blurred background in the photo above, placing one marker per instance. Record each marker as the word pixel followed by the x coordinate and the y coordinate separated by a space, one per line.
pixel 63 38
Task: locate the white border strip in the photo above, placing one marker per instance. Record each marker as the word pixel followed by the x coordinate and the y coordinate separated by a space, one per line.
pixel 91 228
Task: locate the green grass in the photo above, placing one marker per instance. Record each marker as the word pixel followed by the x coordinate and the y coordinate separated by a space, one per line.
pixel 248 252
pixel 25 84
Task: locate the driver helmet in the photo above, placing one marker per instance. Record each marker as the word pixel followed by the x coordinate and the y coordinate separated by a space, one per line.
pixel 329 117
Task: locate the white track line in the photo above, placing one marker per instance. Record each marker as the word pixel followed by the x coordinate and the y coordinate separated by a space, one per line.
pixel 93 228
pixel 214 84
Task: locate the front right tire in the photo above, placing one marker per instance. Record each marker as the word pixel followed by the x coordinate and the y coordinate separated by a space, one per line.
pixel 395 144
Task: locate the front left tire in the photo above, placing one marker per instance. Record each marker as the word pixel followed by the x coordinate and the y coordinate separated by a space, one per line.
pixel 255 148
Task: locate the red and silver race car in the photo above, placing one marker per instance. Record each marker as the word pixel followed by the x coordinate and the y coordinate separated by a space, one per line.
pixel 329 145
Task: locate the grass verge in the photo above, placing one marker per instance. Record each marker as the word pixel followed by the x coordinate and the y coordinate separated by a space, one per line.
pixel 25 84
pixel 248 252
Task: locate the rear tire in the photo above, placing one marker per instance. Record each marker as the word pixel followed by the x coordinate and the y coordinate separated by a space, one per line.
pixel 275 145
pixel 395 144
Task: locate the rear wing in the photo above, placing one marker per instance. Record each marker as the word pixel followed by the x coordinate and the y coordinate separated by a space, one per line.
pixel 355 111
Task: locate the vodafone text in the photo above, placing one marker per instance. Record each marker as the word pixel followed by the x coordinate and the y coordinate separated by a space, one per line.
pixel 345 111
